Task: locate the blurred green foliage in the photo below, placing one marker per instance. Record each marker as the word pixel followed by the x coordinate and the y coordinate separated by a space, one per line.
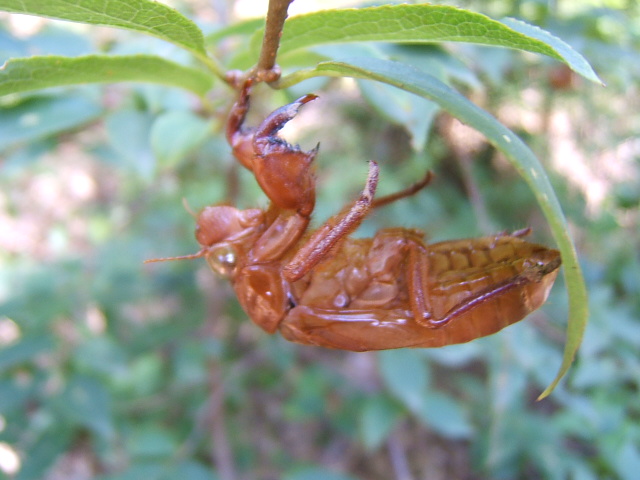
pixel 114 370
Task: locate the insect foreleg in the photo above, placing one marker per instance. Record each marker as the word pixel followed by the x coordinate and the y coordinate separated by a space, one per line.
pixel 241 139
pixel 281 235
pixel 265 135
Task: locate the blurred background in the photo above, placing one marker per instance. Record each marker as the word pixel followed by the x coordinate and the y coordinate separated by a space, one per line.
pixel 112 369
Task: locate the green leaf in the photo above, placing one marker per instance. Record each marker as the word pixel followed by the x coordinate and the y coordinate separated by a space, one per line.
pixel 378 417
pixel 566 53
pixel 152 441
pixel 40 117
pixel 406 375
pixel 423 24
pixel 101 356
pixel 24 74
pixel 128 132
pixel 13 395
pixel 189 470
pixel 149 470
pixel 415 114
pixel 144 16
pixel 310 395
pixel 521 157
pixel 627 461
pixel 175 134
pixel 24 351
pixel 445 415
pixel 317 473
pixel 44 450
pixel 86 402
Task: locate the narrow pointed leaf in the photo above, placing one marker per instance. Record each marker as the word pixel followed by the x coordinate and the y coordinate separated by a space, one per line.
pixel 424 23
pixel 524 161
pixel 143 16
pixel 24 74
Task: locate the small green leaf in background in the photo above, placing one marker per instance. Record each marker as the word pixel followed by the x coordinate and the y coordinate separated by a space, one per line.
pixel 139 471
pixel 24 351
pixel 317 473
pixel 12 394
pixel 24 74
pixel 309 401
pixel 177 133
pixel 39 117
pixel 424 24
pixel 446 416
pixel 406 375
pixel 145 375
pixel 189 471
pixel 378 417
pixel 129 132
pixel 102 356
pixel 628 461
pixel 44 451
pixel 152 442
pixel 144 16
pixel 86 402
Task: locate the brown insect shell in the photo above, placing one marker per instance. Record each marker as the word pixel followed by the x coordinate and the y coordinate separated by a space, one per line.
pixel 283 171
pixel 223 232
pixel 360 299
pixel 283 174
pixel 218 223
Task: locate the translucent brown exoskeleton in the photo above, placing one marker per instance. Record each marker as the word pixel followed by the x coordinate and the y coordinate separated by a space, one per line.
pixel 326 288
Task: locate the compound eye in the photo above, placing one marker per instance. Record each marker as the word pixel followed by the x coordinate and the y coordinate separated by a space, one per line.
pixel 222 260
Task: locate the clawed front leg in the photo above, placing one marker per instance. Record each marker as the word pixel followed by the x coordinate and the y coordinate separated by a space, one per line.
pixel 239 137
pixel 284 171
pixel 281 235
pixel 266 140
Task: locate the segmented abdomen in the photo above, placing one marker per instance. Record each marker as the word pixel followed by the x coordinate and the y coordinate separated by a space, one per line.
pixel 461 269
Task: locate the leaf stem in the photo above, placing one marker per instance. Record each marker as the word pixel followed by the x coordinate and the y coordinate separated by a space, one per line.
pixel 300 75
pixel 267 70
pixel 212 64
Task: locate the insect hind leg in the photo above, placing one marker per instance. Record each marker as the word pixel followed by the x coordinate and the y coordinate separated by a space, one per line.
pixel 407 192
